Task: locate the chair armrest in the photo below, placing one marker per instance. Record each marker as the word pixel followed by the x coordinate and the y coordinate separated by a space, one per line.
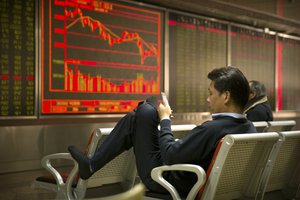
pixel 156 175
pixel 46 163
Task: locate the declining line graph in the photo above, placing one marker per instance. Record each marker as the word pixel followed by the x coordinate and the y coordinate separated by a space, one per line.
pixel 99 51
pixel 106 34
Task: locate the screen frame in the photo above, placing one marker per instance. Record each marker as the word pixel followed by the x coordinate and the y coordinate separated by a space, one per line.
pixel 104 115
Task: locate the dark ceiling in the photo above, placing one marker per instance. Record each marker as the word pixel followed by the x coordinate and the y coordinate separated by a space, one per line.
pixel 231 11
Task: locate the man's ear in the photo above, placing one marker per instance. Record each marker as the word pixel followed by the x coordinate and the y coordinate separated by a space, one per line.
pixel 226 96
pixel 252 95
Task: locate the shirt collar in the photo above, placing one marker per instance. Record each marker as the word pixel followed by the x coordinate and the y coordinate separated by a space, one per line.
pixel 234 115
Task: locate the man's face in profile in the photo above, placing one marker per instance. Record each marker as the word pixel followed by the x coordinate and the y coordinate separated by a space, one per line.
pixel 216 100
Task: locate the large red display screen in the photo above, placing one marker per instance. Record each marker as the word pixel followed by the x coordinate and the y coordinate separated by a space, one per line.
pixel 99 56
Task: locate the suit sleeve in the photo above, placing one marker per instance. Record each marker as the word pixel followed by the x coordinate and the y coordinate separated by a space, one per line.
pixel 193 148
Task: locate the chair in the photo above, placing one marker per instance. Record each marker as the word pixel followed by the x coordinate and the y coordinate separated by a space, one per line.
pixel 279 126
pixel 122 169
pixel 284 173
pixel 274 126
pixel 70 186
pixel 261 126
pixel 156 175
pixel 233 173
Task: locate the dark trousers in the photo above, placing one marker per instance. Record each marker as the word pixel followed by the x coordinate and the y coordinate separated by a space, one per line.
pixel 137 129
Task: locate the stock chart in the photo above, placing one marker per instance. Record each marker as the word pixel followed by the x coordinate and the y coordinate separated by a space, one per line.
pixel 99 56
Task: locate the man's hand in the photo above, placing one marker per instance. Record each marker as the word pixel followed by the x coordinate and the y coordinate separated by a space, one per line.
pixel 164 111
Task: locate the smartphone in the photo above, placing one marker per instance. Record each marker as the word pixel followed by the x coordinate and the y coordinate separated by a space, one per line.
pixel 164 98
pixel 165 101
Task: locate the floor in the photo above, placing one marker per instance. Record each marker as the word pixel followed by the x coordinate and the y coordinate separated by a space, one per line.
pixel 17 186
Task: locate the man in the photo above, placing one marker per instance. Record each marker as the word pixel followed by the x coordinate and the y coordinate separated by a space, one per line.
pixel 258 107
pixel 228 94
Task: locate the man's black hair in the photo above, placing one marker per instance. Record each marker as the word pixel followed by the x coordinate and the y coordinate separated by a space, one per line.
pixel 258 88
pixel 233 80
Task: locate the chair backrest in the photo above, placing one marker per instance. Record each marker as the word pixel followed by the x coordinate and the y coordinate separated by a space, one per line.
pixel 285 171
pixel 239 162
pixel 279 126
pixel 261 126
pixel 120 169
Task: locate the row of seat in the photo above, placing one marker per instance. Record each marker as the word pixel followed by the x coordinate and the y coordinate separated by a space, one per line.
pixel 274 126
pixel 236 151
pixel 246 166
pixel 121 170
